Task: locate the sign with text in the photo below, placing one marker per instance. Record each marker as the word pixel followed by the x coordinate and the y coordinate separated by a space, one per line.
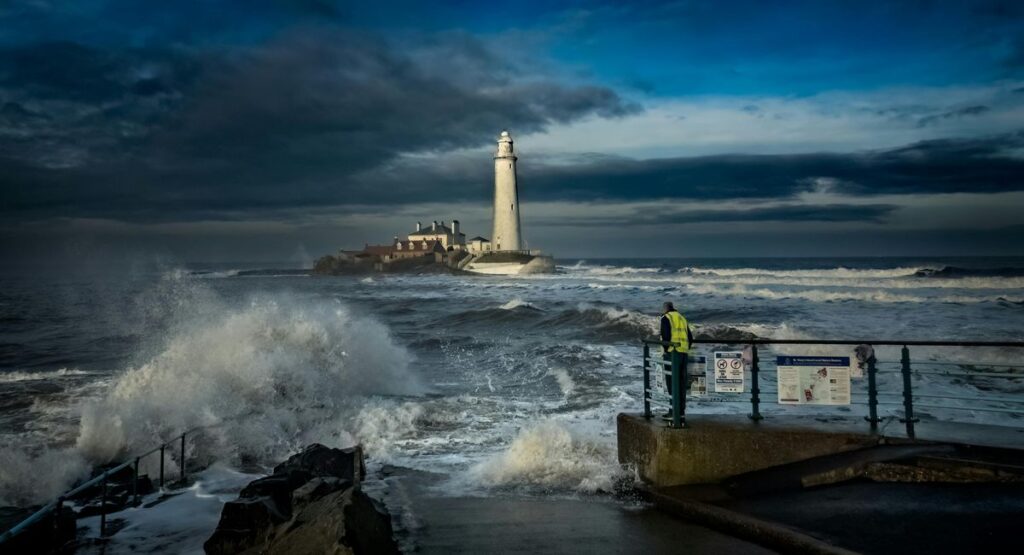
pixel 697 371
pixel 729 372
pixel 813 380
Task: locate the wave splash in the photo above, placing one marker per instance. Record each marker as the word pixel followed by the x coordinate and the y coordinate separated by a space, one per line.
pixel 284 365
pixel 294 371
pixel 550 456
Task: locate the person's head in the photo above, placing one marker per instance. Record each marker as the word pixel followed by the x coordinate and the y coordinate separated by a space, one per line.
pixel 667 307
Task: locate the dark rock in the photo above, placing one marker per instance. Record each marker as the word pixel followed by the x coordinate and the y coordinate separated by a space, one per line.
pixel 368 526
pixel 277 488
pixel 326 462
pixel 317 488
pixel 325 512
pixel 244 523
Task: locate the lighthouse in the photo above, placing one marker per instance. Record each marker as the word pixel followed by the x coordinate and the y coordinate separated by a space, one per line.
pixel 506 236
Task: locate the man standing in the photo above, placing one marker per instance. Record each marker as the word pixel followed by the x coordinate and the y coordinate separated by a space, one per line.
pixel 676 330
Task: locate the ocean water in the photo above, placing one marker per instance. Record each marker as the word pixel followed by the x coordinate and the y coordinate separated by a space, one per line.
pixel 504 385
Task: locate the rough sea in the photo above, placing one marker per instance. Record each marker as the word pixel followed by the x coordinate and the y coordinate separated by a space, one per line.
pixel 500 385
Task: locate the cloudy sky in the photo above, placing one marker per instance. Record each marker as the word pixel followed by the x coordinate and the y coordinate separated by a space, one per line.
pixel 264 130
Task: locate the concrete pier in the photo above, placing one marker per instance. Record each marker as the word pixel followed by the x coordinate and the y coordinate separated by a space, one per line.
pixel 831 485
pixel 713 448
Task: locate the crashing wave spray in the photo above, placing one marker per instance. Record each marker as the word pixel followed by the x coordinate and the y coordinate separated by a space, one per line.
pixel 297 370
pixel 283 364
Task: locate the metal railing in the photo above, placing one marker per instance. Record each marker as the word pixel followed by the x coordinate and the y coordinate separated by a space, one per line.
pixel 905 369
pixel 56 506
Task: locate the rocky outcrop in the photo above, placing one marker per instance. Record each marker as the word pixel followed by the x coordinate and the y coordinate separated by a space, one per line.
pixel 312 503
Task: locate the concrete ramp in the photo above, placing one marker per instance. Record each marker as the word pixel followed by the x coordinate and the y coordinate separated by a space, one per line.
pixel 829 469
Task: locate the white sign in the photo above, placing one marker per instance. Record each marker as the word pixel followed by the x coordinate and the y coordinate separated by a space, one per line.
pixel 659 377
pixel 729 372
pixel 813 380
pixel 697 371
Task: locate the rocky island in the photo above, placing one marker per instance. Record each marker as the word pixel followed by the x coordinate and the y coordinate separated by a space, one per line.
pixel 444 249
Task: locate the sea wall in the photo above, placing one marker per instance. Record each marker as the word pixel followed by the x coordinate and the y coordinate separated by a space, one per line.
pixel 717 447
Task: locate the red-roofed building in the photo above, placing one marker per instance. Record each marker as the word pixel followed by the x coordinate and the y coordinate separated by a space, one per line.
pixel 417 247
pixel 399 250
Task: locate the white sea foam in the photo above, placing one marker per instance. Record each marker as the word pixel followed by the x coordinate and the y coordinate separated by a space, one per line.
pixel 11 377
pixel 380 426
pixel 617 270
pixel 33 478
pixel 818 278
pixel 820 295
pixel 516 303
pixel 619 315
pixel 565 381
pixel 180 523
pixel 825 272
pixel 551 456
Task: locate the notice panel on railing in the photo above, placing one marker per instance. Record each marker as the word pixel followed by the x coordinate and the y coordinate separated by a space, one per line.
pixel 697 370
pixel 729 372
pixel 813 380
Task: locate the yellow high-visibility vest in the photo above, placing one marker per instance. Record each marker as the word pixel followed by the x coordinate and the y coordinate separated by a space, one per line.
pixel 679 331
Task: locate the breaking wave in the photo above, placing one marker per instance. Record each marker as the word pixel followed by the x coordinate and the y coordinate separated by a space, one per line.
pixel 819 295
pixel 298 372
pixel 654 279
pixel 283 364
pixel 9 377
pixel 957 272
pixel 550 456
pixel 845 273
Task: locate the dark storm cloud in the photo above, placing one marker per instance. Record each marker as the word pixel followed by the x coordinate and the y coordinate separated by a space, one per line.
pixel 953 114
pixel 789 213
pixel 986 165
pixel 137 133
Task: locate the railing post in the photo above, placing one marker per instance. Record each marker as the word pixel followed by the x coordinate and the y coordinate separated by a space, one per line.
pixel 908 393
pixel 647 381
pixel 872 394
pixel 135 482
pixel 182 461
pixel 678 390
pixel 103 507
pixel 57 509
pixel 755 385
pixel 162 466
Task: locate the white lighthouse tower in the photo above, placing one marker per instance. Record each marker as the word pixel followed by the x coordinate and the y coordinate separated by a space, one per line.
pixel 506 236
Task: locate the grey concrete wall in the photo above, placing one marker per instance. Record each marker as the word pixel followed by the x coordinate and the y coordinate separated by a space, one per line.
pixel 716 447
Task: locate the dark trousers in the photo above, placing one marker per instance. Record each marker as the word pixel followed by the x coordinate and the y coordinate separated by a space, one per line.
pixel 668 375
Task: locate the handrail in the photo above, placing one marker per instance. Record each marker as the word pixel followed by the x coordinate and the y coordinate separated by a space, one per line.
pixel 673 360
pixel 102 477
pixel 887 342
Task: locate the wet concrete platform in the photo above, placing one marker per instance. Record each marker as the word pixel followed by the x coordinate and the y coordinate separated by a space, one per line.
pixel 429 521
pixel 832 485
pixel 898 518
pixel 509 525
